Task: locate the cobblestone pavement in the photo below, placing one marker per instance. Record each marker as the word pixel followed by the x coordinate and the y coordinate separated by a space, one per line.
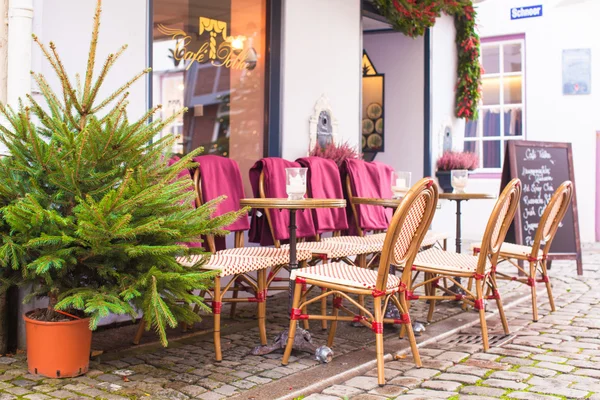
pixel 556 357
pixel 186 369
pixel 559 353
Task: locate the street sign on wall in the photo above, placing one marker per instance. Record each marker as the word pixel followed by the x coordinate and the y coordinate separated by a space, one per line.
pixel 526 12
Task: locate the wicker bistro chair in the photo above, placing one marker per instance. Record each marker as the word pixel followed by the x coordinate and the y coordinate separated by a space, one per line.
pixel 439 264
pixel 537 254
pixel 234 267
pixel 372 243
pixel 332 251
pixel 403 239
pixel 246 282
pixel 324 180
pixel 312 251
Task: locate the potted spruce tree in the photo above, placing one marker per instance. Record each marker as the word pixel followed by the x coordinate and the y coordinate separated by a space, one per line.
pixel 93 216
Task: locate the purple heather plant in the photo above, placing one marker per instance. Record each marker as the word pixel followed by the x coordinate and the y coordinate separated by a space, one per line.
pixel 336 152
pixel 457 160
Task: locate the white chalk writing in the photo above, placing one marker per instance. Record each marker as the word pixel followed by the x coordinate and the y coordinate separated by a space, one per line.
pixel 538 187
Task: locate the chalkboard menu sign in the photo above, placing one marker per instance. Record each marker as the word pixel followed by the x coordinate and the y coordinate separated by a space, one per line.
pixel 542 167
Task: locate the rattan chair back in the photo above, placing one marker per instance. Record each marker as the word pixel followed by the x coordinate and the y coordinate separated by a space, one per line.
pixel 351 196
pixel 498 224
pixel 407 229
pixel 197 178
pixel 552 216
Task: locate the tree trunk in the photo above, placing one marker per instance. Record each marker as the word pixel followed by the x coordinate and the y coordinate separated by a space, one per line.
pixel 52 300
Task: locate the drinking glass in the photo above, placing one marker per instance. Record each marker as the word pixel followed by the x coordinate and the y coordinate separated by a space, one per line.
pixel 295 183
pixel 459 179
pixel 400 183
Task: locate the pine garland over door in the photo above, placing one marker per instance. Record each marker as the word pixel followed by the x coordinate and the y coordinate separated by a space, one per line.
pixel 413 17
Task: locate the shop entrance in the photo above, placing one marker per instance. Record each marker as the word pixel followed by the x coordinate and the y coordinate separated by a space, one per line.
pixel 392 120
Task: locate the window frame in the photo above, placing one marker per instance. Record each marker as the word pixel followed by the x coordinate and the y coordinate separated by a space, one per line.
pixel 500 42
pixel 272 121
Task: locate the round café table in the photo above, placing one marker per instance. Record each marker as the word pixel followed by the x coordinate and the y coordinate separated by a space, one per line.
pixel 292 206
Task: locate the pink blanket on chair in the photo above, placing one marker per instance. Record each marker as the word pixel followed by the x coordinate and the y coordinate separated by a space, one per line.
pixel 385 183
pixel 274 170
pixel 324 182
pixel 367 180
pixel 221 176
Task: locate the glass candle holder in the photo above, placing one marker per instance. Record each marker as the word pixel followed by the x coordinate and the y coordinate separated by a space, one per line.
pixel 459 179
pixel 400 183
pixel 295 183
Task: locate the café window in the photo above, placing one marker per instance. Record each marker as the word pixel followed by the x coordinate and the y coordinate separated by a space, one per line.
pixel 210 56
pixel 502 106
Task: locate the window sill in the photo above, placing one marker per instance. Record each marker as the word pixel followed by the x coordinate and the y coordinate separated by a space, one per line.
pixel 485 175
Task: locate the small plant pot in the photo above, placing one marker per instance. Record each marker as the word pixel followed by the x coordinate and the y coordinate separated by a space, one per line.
pixel 444 181
pixel 58 349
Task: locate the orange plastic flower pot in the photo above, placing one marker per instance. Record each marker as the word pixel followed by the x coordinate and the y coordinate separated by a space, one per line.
pixel 58 349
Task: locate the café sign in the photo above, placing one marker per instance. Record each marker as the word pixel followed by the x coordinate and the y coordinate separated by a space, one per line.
pixel 215 45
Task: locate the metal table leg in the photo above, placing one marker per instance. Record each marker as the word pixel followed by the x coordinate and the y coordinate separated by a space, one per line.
pixel 303 339
pixel 458 243
pixel 458 240
pixel 293 258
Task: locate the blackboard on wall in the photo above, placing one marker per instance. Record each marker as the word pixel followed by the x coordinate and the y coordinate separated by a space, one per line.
pixel 542 167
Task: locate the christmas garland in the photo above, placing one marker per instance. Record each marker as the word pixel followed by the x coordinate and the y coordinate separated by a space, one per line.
pixel 413 17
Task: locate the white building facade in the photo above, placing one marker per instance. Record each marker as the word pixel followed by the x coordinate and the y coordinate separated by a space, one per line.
pixel 301 50
pixel 314 48
pixel 549 114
